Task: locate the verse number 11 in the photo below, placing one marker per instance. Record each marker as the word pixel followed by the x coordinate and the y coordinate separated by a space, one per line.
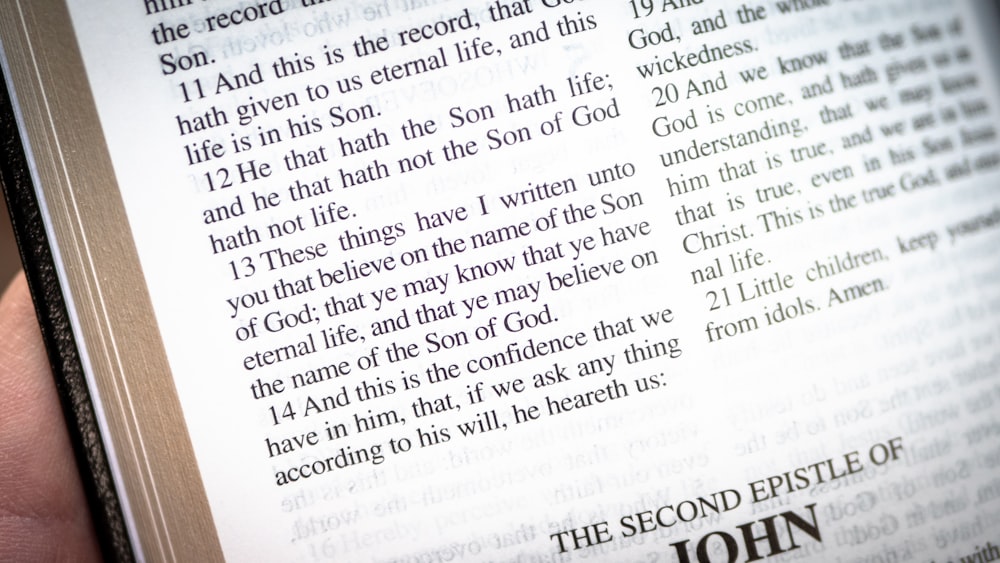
pixel 192 92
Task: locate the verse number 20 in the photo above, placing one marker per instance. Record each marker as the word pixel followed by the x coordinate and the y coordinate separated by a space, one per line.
pixel 666 95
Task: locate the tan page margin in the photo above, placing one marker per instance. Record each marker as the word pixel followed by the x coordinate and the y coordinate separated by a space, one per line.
pixel 149 439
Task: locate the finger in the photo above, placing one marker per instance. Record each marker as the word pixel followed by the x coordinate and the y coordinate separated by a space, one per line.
pixel 43 514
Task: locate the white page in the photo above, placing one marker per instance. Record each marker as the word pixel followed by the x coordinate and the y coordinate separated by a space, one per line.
pixel 904 365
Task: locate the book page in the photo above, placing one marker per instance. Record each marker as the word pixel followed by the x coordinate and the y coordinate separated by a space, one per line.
pixel 550 280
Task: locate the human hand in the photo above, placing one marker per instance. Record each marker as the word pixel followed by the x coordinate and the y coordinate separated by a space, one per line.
pixel 43 513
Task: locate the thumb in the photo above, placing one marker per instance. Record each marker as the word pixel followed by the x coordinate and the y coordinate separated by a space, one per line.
pixel 43 514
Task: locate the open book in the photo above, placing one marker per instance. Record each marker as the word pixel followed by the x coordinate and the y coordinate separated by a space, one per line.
pixel 519 280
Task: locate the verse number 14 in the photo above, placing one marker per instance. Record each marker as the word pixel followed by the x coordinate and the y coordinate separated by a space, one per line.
pixel 286 412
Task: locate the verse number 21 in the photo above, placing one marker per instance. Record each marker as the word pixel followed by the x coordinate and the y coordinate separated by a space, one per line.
pixel 718 299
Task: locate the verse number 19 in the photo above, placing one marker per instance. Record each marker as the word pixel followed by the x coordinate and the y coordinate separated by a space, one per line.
pixel 639 6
